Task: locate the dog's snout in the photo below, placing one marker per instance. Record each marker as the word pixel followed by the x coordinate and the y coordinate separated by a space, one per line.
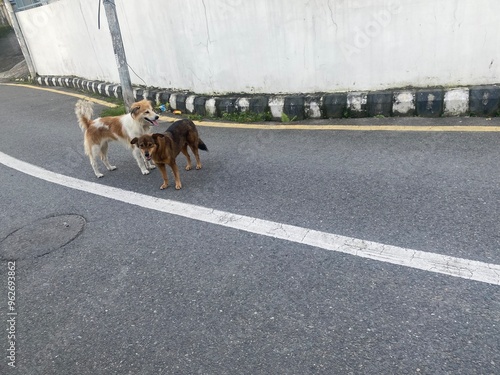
pixel 157 117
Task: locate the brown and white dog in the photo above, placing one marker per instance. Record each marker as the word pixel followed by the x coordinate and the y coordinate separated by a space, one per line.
pixel 100 131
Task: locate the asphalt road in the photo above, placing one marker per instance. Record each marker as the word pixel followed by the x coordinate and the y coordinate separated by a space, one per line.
pixel 143 292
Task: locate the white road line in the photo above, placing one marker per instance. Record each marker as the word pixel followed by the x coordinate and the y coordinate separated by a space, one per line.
pixel 432 262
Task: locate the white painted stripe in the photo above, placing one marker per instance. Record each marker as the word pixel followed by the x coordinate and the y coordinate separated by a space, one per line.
pixel 210 107
pixel 356 101
pixel 173 101
pixel 456 102
pixel 404 103
pixel 432 262
pixel 190 103
pixel 276 105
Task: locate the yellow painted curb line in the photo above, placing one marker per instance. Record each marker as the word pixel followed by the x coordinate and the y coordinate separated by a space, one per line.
pixel 79 96
pixel 228 125
pixel 400 128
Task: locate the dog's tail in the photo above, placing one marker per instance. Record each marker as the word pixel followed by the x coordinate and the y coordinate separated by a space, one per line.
pixel 202 146
pixel 84 111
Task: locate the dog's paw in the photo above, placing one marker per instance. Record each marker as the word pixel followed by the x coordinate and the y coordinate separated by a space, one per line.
pixel 151 166
pixel 145 171
pixel 178 186
pixel 163 186
pixel 188 167
pixel 99 175
pixel 111 168
pixel 198 166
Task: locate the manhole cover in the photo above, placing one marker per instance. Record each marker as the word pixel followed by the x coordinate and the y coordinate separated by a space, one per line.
pixel 41 237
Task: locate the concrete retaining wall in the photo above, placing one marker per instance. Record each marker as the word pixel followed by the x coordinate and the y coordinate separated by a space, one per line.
pixel 276 46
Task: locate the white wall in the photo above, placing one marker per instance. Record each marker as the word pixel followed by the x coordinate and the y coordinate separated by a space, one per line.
pixel 272 46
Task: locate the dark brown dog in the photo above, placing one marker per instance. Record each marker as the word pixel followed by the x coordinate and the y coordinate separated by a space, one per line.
pixel 164 148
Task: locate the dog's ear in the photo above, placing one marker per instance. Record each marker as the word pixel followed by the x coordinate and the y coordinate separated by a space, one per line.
pixel 134 108
pixel 156 136
pixel 134 141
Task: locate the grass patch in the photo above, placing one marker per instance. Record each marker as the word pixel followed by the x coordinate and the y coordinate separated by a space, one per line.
pixel 115 111
pixel 286 118
pixel 246 117
pixel 195 117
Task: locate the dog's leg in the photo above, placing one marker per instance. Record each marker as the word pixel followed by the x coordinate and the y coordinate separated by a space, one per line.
pixel 94 149
pixel 196 155
pixel 149 163
pixel 139 159
pixel 186 154
pixel 177 176
pixel 104 157
pixel 163 171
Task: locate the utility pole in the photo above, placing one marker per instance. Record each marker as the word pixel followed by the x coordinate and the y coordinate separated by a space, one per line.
pixel 121 59
pixel 20 38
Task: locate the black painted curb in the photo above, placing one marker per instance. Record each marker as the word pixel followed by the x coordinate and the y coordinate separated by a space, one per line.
pixel 430 102
pixel 483 101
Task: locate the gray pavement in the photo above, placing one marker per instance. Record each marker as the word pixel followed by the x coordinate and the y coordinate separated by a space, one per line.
pixel 141 292
pixel 11 52
pixel 12 63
